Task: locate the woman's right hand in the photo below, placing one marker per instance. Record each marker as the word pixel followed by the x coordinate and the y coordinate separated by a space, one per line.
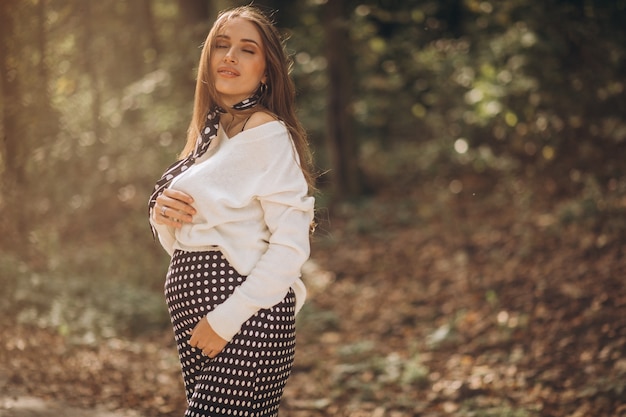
pixel 173 208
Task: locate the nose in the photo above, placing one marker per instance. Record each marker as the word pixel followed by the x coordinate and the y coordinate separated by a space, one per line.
pixel 229 57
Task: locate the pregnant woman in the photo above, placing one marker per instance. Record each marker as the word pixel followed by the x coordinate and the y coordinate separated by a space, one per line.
pixel 235 214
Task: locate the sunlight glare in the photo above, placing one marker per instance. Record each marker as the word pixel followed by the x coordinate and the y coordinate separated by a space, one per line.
pixel 455 186
pixel 461 146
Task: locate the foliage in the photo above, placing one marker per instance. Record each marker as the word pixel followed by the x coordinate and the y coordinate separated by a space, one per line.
pixel 534 87
pixel 79 233
pixel 77 306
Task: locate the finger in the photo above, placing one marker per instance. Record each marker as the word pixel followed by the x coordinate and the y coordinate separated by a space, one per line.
pixel 167 213
pixel 175 204
pixel 178 195
pixel 159 215
pixel 170 216
pixel 171 199
pixel 169 220
pixel 175 210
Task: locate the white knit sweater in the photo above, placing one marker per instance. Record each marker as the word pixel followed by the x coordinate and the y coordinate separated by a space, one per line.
pixel 252 204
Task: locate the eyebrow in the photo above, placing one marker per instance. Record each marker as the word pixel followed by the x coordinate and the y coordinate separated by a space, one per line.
pixel 242 40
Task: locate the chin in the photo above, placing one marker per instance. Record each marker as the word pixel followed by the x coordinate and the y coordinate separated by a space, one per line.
pixel 233 97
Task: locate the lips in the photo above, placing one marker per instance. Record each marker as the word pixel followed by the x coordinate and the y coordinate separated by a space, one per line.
pixel 228 71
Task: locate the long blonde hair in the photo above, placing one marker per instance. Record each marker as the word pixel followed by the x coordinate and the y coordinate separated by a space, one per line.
pixel 279 98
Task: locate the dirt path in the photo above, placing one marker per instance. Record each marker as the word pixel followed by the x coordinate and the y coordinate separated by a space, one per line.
pixel 25 406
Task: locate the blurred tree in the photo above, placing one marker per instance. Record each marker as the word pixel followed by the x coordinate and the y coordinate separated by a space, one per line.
pixel 90 57
pixel 12 152
pixel 8 78
pixel 340 140
pixel 42 37
pixel 195 11
pixel 144 12
pixel 499 76
pixel 579 64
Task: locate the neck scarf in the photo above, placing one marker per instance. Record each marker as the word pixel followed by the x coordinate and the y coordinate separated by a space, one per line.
pixel 208 133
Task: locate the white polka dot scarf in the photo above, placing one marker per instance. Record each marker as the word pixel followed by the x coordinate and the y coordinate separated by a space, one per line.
pixel 208 133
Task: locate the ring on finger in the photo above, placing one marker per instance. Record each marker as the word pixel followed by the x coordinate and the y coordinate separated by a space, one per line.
pixel 163 211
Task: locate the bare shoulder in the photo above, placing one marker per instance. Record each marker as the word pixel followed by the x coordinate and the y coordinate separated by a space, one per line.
pixel 259 118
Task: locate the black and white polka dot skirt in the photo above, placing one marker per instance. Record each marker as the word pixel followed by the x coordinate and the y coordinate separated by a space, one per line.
pixel 248 377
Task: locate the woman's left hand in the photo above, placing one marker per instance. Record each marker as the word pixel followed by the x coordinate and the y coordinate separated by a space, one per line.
pixel 204 338
pixel 173 208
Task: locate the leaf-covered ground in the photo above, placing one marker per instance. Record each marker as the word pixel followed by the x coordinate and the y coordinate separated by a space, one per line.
pixel 495 301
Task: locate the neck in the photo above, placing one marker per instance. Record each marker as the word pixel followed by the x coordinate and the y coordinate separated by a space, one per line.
pixel 231 118
pixel 233 122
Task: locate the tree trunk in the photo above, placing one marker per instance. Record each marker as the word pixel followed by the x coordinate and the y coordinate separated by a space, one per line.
pixel 48 121
pixel 9 83
pixel 41 39
pixel 91 69
pixel 341 143
pixel 12 163
pixel 147 17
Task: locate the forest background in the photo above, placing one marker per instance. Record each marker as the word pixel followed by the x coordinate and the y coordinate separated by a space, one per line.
pixel 469 258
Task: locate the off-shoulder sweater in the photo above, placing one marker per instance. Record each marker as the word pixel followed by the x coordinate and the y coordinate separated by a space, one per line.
pixel 253 205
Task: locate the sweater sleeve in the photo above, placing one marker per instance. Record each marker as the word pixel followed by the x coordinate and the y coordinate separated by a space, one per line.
pixel 288 212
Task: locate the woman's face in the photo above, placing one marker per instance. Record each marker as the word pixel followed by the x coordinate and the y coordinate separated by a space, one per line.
pixel 237 60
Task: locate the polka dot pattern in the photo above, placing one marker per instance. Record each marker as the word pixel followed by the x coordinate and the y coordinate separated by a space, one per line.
pixel 248 377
